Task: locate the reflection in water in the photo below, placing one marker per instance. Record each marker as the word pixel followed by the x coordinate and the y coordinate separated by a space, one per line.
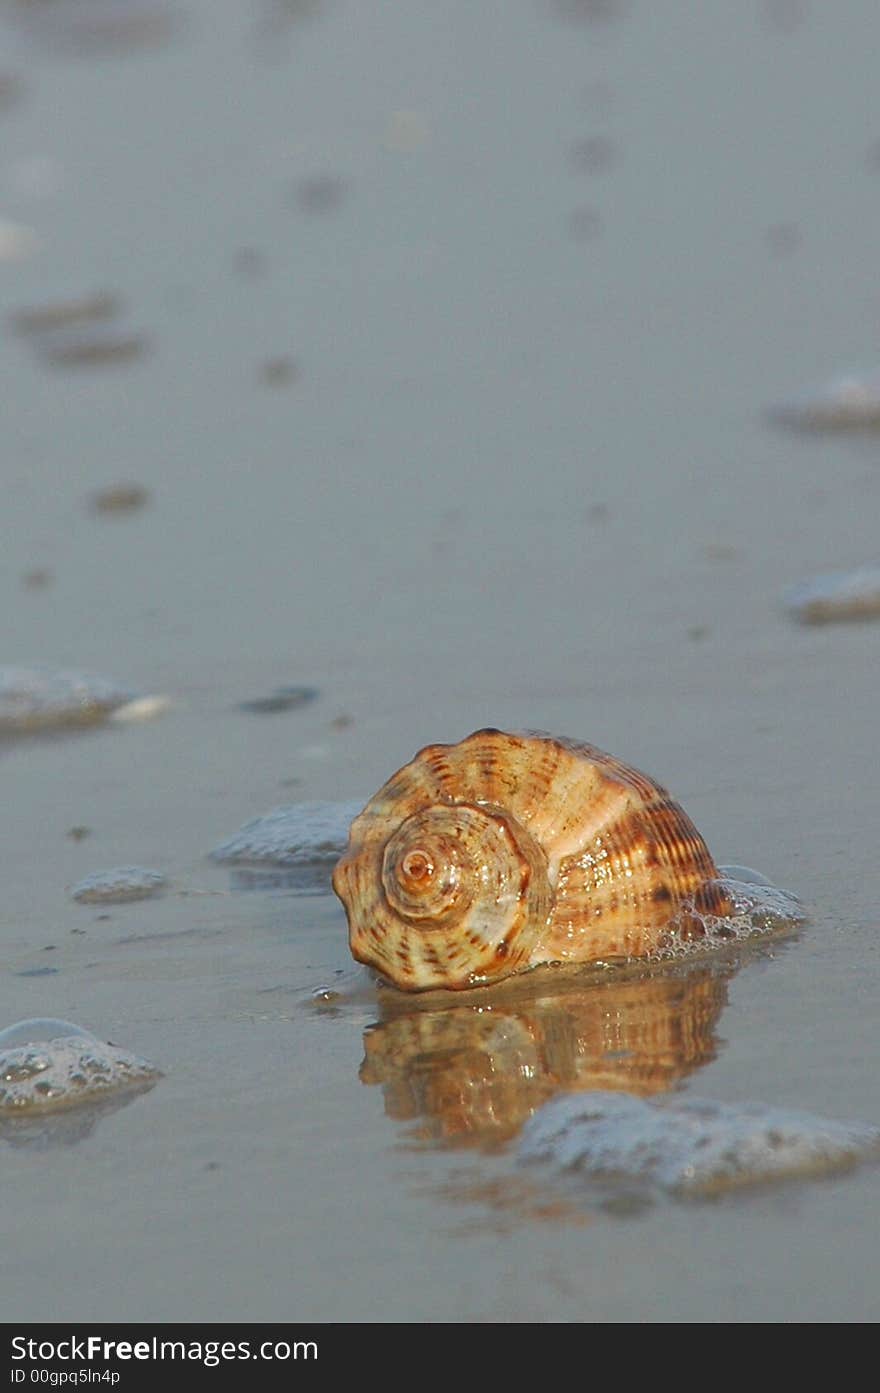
pixel 42 1131
pixel 470 1075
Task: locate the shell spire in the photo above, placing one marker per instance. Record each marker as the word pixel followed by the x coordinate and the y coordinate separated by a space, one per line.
pixel 504 851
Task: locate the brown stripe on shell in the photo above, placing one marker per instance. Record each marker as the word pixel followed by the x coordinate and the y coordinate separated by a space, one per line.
pixel 633 878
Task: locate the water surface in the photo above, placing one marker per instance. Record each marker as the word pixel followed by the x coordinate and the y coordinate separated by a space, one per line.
pixel 520 477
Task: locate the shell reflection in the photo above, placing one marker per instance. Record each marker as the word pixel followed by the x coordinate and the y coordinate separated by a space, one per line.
pixel 471 1075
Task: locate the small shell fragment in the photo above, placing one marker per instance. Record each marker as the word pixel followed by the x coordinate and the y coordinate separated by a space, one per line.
pixel 141 709
pixel 118 886
pixel 837 596
pixel 51 1064
pixel 850 402
pixel 690 1148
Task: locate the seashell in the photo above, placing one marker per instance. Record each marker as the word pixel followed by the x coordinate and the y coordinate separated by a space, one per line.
pixel 505 851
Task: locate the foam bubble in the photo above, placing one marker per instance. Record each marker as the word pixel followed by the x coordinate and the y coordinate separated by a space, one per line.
pixel 42 698
pixel 688 1147
pixel 50 1064
pixel 759 909
pixel 305 838
pixel 119 885
pixel 836 596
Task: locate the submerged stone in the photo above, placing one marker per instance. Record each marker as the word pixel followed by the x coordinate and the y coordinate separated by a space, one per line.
pixel 50 1064
pixel 688 1147
pixel 118 885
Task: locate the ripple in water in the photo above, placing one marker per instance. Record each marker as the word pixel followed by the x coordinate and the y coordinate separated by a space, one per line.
pixel 47 1065
pixel 690 1148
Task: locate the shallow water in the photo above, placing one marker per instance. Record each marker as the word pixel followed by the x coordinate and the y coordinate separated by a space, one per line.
pixel 521 477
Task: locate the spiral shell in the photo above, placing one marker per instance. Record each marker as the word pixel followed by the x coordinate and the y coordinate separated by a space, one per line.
pixel 504 851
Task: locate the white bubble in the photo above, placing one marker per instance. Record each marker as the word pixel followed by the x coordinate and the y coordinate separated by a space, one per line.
pixel 40 698
pixel 118 885
pixel 688 1147
pixel 47 1065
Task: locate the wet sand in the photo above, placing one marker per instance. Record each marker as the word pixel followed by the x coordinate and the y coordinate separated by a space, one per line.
pixel 519 478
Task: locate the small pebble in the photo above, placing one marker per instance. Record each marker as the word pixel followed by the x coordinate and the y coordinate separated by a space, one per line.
pixel 282 699
pixel 82 332
pixel 119 498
